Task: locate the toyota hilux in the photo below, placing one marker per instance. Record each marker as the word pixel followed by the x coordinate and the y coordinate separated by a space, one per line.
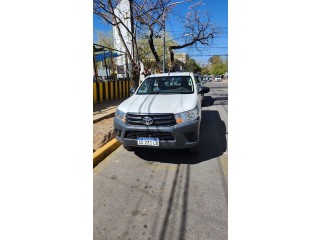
pixel 164 112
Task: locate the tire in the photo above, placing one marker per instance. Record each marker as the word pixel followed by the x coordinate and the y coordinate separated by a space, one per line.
pixel 195 149
pixel 128 148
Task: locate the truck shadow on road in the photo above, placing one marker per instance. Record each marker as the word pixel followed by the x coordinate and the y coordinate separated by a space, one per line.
pixel 222 99
pixel 207 101
pixel 213 143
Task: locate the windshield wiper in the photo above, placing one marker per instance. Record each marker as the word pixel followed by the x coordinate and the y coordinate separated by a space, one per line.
pixel 147 93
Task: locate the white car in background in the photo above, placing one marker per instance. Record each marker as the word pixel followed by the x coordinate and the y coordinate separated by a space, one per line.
pixel 218 78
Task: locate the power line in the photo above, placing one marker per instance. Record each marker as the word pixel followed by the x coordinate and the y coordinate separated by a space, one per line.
pixel 208 47
pixel 174 13
pixel 172 27
pixel 208 55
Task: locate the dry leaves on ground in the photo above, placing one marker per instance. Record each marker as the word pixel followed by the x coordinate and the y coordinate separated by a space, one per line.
pixel 102 133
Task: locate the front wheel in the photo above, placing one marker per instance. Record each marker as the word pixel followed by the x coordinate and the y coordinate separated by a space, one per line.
pixel 128 148
pixel 195 149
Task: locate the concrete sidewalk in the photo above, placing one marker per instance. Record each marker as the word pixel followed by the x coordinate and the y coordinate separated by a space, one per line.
pixel 105 109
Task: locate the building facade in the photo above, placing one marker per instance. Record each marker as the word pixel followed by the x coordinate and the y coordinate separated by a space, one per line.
pixel 122 11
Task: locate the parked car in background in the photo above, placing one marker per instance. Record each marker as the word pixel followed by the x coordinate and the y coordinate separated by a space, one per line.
pixel 218 78
pixel 197 78
pixel 210 78
pixel 204 79
pixel 164 112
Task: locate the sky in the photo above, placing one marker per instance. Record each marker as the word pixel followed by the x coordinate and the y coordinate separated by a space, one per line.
pixel 217 9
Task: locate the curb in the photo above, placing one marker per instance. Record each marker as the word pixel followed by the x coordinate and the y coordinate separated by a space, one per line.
pixel 104 117
pixel 104 151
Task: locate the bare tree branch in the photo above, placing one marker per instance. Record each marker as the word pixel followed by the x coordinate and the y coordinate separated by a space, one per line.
pixel 147 22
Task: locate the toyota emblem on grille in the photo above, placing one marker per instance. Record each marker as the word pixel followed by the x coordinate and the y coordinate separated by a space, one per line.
pixel 147 120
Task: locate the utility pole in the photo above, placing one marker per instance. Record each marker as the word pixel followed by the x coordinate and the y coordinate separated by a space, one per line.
pixel 164 31
pixel 164 42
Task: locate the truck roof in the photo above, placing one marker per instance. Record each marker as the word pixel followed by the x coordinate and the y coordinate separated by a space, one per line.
pixel 171 74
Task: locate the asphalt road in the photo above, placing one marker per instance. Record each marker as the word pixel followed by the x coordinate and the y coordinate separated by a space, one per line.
pixel 167 194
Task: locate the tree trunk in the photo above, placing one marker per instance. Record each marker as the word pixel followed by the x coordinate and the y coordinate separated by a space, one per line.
pixel 151 45
pixel 135 74
pixel 172 66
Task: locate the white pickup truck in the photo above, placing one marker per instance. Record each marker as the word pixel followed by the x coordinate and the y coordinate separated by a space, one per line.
pixel 164 112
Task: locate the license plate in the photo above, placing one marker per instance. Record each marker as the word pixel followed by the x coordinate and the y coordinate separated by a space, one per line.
pixel 148 141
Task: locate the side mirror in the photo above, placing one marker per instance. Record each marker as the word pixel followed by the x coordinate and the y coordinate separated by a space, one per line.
pixel 132 91
pixel 203 90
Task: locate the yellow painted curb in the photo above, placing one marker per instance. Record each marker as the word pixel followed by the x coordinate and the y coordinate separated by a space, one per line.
pixel 104 151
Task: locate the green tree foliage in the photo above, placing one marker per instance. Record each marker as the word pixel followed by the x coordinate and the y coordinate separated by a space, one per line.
pixel 205 70
pixel 192 66
pixel 217 66
pixel 215 60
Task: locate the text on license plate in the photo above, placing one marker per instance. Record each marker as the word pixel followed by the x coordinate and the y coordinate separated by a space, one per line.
pixel 148 141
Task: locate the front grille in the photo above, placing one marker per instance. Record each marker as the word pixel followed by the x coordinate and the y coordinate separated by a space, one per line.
pixel 145 134
pixel 158 119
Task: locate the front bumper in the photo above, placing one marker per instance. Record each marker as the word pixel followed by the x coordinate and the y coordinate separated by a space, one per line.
pixel 184 135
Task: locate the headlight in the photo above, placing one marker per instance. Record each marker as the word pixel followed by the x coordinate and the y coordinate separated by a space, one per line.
pixel 120 115
pixel 187 116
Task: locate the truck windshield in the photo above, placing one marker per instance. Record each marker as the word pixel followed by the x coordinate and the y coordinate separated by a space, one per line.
pixel 167 85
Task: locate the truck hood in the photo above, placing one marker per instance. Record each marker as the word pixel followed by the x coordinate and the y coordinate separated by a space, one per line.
pixel 159 103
